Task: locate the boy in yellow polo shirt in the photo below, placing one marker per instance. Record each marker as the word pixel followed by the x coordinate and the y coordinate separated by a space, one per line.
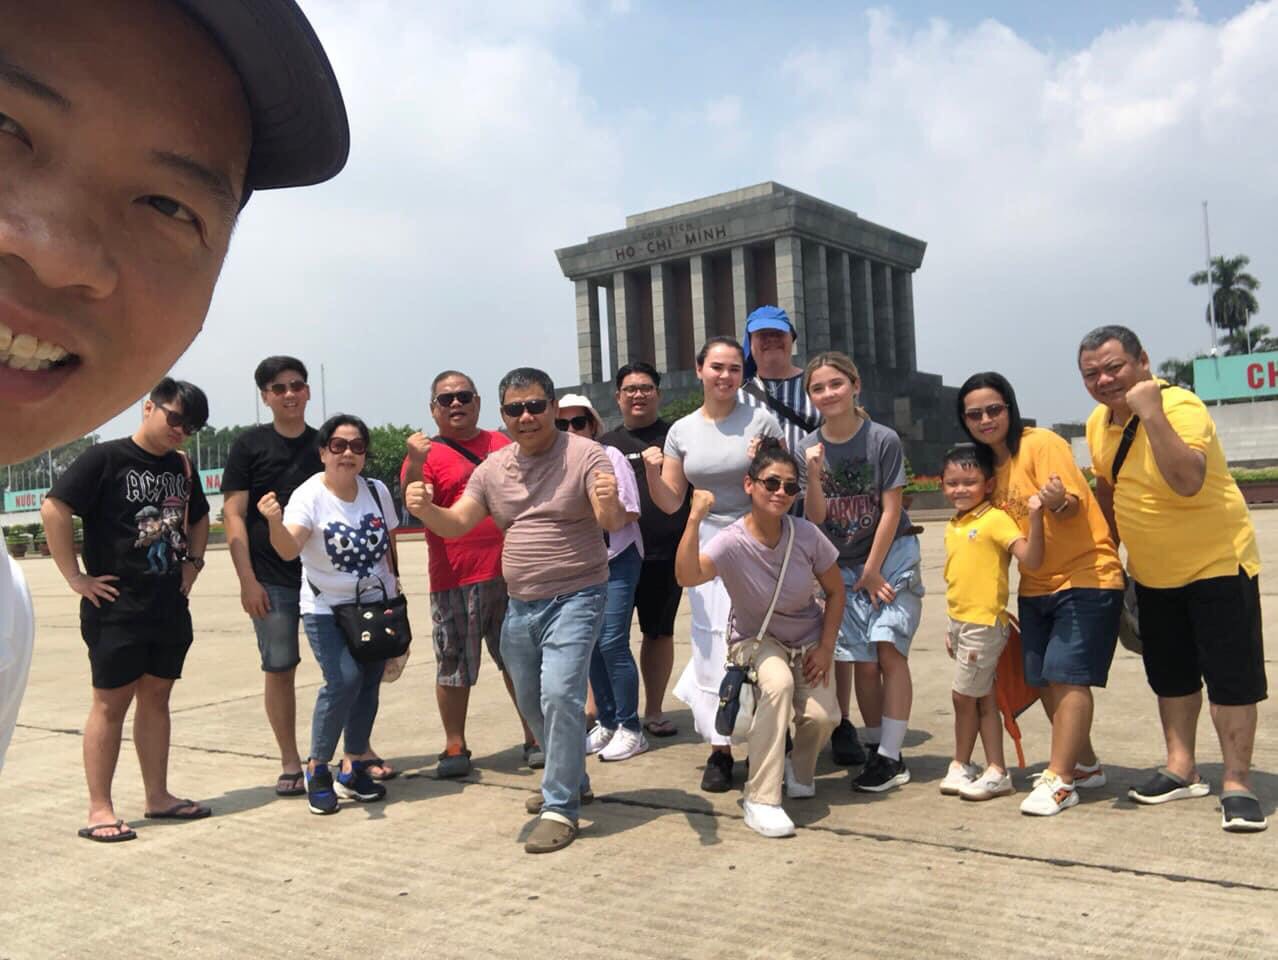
pixel 1162 480
pixel 980 539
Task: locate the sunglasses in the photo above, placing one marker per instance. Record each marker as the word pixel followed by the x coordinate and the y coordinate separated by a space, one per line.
pixel 293 386
pixel 340 445
pixel 993 411
pixel 773 484
pixel 638 389
pixel 577 423
pixel 448 399
pixel 179 421
pixel 518 408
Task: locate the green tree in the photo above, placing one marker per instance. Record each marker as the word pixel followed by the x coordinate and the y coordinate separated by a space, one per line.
pixel 1254 338
pixel 1233 291
pixel 1178 372
pixel 386 454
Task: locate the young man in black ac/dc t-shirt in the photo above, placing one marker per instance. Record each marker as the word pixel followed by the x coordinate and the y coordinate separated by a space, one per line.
pixel 658 594
pixel 146 523
pixel 275 457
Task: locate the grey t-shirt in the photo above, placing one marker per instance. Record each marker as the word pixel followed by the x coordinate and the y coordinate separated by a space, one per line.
pixel 750 569
pixel 714 455
pixel 855 475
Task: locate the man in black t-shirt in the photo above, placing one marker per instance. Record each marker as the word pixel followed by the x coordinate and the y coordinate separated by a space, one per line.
pixel 274 458
pixel 658 594
pixel 146 523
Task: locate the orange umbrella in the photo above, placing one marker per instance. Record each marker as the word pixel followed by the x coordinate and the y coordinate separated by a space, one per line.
pixel 1014 695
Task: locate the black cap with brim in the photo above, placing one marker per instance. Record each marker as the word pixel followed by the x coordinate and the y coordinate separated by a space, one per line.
pixel 300 132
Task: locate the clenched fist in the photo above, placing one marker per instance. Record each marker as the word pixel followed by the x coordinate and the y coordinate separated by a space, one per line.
pixel 1053 493
pixel 1035 504
pixel 1145 399
pixel 418 496
pixel 702 503
pixel 605 488
pixel 270 509
pixel 652 458
pixel 418 447
pixel 814 457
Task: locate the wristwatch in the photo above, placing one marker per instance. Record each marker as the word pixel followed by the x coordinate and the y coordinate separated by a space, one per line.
pixel 197 562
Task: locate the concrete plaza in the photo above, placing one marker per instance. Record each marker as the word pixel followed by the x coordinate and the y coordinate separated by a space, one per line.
pixel 661 870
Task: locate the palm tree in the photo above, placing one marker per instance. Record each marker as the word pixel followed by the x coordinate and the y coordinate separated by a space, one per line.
pixel 1233 291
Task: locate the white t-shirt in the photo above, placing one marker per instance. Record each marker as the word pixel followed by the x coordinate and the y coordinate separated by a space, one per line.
pixel 17 635
pixel 348 545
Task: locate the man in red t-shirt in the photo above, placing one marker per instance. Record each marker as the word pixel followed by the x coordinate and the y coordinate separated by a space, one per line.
pixel 467 592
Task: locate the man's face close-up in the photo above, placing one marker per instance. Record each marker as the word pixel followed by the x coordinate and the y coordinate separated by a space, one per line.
pixel 124 141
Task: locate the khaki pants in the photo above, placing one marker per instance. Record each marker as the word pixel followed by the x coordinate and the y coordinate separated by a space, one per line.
pixel 784 692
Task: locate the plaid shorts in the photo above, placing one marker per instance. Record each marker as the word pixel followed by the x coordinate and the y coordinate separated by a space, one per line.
pixel 462 617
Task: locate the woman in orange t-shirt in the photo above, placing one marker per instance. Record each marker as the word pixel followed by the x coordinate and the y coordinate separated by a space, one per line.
pixel 1070 606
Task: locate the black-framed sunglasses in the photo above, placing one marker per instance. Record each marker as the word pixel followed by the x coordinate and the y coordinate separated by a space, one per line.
pixel 773 484
pixel 991 410
pixel 517 408
pixel 577 423
pixel 464 397
pixel 638 389
pixel 179 421
pixel 293 386
pixel 340 445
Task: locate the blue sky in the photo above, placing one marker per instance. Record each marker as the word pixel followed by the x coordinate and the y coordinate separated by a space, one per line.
pixel 1054 156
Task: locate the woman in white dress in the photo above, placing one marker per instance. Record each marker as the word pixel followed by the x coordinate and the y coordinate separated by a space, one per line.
pixel 711 448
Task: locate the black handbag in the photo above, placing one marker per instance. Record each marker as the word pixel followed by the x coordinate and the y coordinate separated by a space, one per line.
pixel 738 691
pixel 375 629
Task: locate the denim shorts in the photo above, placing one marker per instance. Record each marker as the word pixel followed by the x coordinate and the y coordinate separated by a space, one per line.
pixel 864 624
pixel 277 631
pixel 1069 636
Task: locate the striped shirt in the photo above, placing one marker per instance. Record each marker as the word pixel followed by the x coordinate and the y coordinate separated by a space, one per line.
pixel 789 391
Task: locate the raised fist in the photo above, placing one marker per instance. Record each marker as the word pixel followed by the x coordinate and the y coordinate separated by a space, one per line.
pixel 418 447
pixel 702 503
pixel 652 458
pixel 1053 493
pixel 1145 399
pixel 418 496
pixel 605 487
pixel 815 458
pixel 270 509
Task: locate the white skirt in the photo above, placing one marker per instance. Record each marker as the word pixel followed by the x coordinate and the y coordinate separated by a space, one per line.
pixel 698 685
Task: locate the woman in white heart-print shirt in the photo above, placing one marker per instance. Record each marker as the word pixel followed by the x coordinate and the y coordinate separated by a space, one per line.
pixel 340 524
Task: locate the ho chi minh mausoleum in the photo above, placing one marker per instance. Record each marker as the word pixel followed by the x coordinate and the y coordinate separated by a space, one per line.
pixel 680 274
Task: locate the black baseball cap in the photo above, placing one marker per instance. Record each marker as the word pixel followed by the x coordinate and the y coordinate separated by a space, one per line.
pixel 300 132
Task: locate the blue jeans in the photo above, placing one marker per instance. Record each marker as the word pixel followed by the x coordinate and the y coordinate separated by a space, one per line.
pixel 613 674
pixel 347 702
pixel 546 645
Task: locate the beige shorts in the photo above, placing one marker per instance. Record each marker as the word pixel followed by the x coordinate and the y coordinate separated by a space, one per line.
pixel 977 648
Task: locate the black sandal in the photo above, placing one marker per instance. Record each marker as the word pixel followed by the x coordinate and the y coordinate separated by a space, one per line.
pixel 291 785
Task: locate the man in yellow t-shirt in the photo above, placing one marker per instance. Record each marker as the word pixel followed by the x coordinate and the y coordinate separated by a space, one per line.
pixel 1192 553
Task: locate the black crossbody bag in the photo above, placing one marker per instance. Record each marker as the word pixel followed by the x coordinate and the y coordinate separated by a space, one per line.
pixel 375 629
pixel 1129 623
pixel 757 389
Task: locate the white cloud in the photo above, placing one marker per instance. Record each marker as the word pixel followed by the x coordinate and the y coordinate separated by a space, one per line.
pixel 1057 191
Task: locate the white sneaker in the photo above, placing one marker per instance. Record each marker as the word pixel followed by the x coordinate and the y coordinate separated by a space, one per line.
pixel 1049 797
pixel 598 738
pixel 768 820
pixel 793 788
pixel 988 785
pixel 958 776
pixel 623 745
